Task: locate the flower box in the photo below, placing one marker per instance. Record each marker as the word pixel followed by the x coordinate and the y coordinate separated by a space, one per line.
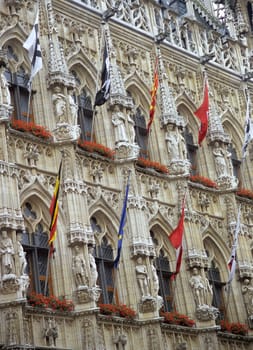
pixel 36 130
pixel 174 317
pixel 145 163
pixel 235 327
pixel 94 147
pixel 203 181
pixel 120 310
pixel 51 302
pixel 243 192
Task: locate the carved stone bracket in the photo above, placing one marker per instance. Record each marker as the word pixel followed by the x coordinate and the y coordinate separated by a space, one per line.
pixel 197 258
pixel 142 248
pixel 126 151
pixel 10 284
pixel 80 234
pixel 206 313
pixel 148 304
pixel 245 269
pixel 66 132
pixel 86 294
pixel 227 182
pixel 179 167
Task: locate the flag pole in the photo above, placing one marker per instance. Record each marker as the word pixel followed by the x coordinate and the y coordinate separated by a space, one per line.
pixel 29 102
pixel 47 271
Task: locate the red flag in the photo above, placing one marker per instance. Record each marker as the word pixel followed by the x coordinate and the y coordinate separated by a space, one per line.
pixel 54 211
pixel 176 236
pixel 202 114
pixel 176 239
pixel 179 254
pixel 153 97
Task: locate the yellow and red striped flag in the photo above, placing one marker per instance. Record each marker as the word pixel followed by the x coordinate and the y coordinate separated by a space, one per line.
pixel 54 206
pixel 153 96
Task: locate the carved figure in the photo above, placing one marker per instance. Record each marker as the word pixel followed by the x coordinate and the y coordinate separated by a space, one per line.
pixel 131 128
pixel 118 120
pixel 201 288
pixel 93 268
pixel 79 268
pixel 73 109
pixel 142 277
pixel 6 253
pixel 51 333
pixel 220 161
pixel 172 142
pixel 21 256
pixel 247 290
pixel 5 97
pixel 155 279
pixel 59 102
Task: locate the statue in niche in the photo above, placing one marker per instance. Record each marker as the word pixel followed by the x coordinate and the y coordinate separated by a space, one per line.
pixel 59 102
pixel 182 145
pixel 118 120
pixel 93 268
pixel 131 126
pixel 142 277
pixel 172 140
pixel 21 256
pixel 79 268
pixel 155 279
pixel 202 291
pixel 73 108
pixel 247 291
pixel 220 156
pixel 7 254
pixel 5 97
pixel 51 333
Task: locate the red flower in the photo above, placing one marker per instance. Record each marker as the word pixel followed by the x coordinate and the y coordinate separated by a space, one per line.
pixel 52 302
pixel 117 310
pixel 36 130
pixel 175 317
pixel 243 192
pixel 203 180
pixel 96 147
pixel 234 327
pixel 145 163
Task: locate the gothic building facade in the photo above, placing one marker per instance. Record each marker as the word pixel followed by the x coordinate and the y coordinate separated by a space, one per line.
pixel 75 298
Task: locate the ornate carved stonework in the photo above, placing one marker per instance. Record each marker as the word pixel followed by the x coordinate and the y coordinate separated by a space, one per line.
pixel 245 269
pixel 66 132
pixel 126 151
pixel 78 233
pixel 206 313
pixel 148 304
pixel 197 258
pixel 85 294
pixel 179 167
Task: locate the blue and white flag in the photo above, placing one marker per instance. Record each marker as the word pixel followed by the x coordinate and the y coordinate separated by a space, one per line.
pixel 32 45
pixel 121 226
pixel 248 130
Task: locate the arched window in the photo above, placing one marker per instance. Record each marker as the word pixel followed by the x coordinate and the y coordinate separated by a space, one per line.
pixel 103 254
pixel 35 245
pixel 250 15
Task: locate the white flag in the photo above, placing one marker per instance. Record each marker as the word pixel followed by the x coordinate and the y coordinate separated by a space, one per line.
pixel 32 45
pixel 248 130
pixel 232 260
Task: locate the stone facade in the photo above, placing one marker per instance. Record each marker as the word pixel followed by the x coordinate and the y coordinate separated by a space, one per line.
pixel 188 40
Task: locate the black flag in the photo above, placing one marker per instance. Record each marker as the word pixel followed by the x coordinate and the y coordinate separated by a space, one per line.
pixel 103 94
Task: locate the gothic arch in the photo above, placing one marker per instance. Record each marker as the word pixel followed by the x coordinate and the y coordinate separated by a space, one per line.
pixel 21 54
pixel 185 108
pixel 136 85
pixel 161 233
pixel 233 128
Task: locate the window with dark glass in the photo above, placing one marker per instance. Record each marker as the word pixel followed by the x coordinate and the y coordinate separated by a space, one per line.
pixel 164 274
pixel 35 245
pixel 217 286
pixel 191 151
pixel 104 260
pixel 141 132
pixel 236 163
pixel 20 95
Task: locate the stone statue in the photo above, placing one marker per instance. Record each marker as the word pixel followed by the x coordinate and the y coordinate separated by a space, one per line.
pixel 73 109
pixel 21 256
pixel 93 268
pixel 59 101
pixel 118 120
pixel 182 145
pixel 7 254
pixel 172 140
pixel 131 128
pixel 201 288
pixel 51 333
pixel 220 161
pixel 247 290
pixel 155 279
pixel 142 277
pixel 5 97
pixel 79 268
